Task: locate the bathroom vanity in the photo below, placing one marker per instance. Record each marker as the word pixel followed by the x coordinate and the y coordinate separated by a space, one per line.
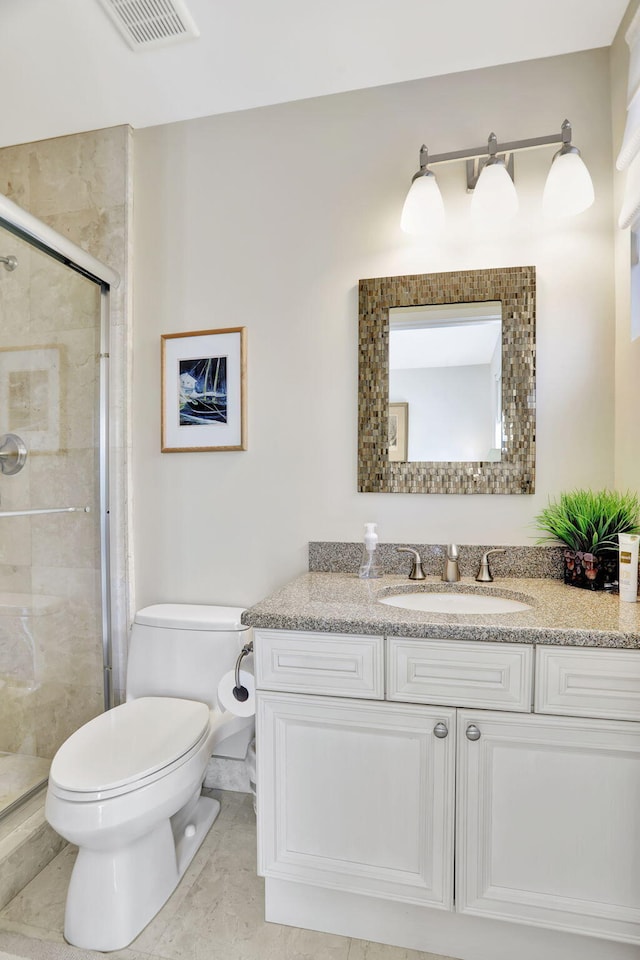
pixel 467 785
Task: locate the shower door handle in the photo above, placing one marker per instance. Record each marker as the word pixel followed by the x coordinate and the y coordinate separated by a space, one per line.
pixel 13 454
pixel 35 513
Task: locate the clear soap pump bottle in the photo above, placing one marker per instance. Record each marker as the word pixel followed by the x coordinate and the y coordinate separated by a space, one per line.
pixel 370 567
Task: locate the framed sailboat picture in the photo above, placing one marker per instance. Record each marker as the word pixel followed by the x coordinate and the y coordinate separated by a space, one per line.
pixel 203 390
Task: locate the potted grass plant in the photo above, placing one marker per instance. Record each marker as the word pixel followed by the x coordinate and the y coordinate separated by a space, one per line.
pixel 587 523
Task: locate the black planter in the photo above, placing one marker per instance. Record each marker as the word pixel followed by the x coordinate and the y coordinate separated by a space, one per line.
pixel 589 570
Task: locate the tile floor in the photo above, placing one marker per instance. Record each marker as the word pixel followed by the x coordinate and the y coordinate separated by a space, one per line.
pixel 216 913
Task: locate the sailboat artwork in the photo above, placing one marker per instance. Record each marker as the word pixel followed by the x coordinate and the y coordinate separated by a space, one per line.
pixel 202 386
pixel 203 389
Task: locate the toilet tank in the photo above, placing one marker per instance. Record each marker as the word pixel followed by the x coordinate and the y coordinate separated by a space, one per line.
pixel 183 650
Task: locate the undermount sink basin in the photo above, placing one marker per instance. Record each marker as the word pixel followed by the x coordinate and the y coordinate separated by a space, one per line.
pixel 455 602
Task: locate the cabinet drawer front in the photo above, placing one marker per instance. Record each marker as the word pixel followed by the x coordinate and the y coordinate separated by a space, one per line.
pixel 324 663
pixel 496 676
pixel 579 682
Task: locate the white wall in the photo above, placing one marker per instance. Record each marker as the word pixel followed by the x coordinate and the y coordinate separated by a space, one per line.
pixel 269 218
pixel 627 357
pixel 450 410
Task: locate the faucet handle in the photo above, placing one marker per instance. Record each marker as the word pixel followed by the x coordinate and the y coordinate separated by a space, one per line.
pixel 484 573
pixel 417 570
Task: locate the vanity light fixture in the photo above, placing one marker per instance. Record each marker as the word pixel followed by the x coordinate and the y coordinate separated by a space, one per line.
pixel 423 210
pixel 494 195
pixel 568 190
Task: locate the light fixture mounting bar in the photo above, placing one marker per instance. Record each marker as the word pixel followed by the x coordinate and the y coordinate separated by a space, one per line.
pixel 511 147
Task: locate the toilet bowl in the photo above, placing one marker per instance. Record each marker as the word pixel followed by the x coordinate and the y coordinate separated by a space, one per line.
pixel 126 786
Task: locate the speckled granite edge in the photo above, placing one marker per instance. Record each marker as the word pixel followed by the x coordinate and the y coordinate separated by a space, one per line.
pixel 518 561
pixel 558 614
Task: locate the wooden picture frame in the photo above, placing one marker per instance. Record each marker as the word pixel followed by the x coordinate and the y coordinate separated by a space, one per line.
pixel 398 432
pixel 203 390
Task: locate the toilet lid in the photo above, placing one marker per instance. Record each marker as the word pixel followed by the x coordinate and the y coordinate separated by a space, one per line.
pixel 191 616
pixel 128 743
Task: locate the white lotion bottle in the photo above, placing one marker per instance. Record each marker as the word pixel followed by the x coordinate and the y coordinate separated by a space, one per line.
pixel 370 567
pixel 628 575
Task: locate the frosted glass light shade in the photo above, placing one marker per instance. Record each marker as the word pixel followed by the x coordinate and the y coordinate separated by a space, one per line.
pixel 569 189
pixel 423 211
pixel 495 199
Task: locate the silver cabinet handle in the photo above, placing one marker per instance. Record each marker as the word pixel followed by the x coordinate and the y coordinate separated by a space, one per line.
pixel 472 732
pixel 441 730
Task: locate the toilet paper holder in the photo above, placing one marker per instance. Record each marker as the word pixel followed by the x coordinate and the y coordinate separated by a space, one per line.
pixel 240 692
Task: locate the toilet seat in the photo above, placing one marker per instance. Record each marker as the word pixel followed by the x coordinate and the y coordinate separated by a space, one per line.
pixel 129 747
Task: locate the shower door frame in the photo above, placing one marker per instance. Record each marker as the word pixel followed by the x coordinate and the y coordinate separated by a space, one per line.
pixel 38 234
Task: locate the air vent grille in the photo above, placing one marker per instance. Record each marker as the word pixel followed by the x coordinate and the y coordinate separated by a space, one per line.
pixel 151 23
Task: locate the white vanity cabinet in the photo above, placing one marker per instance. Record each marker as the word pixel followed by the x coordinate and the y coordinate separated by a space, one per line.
pixel 548 822
pixel 357 796
pixel 444 769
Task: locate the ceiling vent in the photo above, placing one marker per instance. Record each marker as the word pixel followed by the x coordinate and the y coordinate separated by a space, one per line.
pixel 151 23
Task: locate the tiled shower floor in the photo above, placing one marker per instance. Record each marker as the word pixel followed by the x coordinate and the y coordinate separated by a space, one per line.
pixel 19 775
pixel 216 913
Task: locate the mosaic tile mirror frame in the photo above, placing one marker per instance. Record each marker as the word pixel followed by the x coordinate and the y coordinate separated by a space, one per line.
pixel 515 287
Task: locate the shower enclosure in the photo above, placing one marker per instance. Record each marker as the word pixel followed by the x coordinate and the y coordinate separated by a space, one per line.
pixel 54 537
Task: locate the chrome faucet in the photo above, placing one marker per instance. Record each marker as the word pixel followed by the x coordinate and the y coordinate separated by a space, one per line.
pixel 417 571
pixel 451 572
pixel 484 573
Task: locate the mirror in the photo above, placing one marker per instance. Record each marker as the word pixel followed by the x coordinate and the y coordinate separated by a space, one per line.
pixel 447 382
pixel 445 366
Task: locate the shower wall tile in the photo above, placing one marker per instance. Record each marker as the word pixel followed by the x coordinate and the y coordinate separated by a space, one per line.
pixel 67 479
pixel 14 174
pixel 80 586
pixel 93 229
pixel 118 402
pixel 15 494
pixel 68 539
pixel 18 775
pixel 80 185
pixel 15 578
pixel 14 294
pixel 17 721
pixel 80 386
pixel 20 655
pixel 77 354
pixel 59 300
pixel 37 722
pixel 15 542
pixel 66 706
pixel 69 646
pixel 78 171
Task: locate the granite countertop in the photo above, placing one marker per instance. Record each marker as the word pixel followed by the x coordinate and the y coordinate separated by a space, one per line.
pixel 559 614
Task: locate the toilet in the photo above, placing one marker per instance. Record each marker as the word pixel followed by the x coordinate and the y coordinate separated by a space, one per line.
pixel 126 787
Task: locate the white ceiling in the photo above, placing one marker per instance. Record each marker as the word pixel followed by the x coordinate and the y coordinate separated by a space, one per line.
pixel 473 344
pixel 64 67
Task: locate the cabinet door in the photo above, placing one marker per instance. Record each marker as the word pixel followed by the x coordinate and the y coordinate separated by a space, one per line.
pixel 548 822
pixel 357 796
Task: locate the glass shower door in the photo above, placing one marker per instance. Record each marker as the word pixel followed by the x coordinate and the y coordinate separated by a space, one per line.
pixel 51 557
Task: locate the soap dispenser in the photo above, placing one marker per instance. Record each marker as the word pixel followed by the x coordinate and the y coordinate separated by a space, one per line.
pixel 370 567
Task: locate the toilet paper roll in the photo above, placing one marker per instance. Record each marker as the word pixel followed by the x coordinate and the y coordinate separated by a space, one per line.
pixel 226 699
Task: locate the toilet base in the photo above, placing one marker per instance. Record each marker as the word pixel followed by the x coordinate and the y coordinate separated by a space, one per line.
pixel 114 894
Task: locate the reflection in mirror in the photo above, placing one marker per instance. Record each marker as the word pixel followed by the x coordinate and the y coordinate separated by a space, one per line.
pixel 445 369
pixel 415 407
